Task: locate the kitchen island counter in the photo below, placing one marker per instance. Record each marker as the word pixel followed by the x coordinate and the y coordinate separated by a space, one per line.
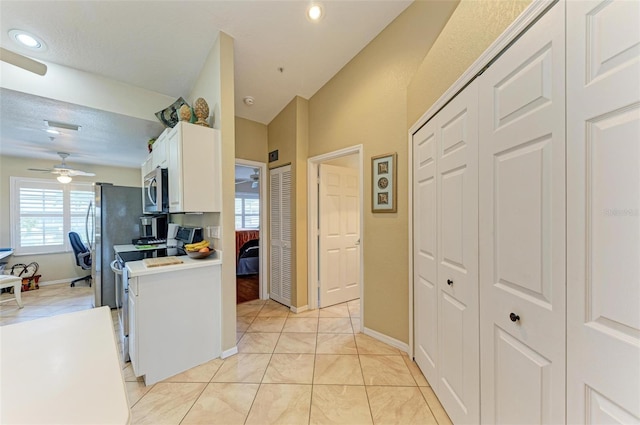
pixel 62 369
pixel 174 315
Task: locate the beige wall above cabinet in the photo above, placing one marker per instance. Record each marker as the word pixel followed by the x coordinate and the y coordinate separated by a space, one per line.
pixel 193 158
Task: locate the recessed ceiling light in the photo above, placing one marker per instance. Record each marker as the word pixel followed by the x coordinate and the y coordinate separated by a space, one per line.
pixel 25 39
pixel 63 125
pixel 314 11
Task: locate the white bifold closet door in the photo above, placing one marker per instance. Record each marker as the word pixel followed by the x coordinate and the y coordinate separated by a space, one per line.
pixel 446 255
pixel 280 234
pixel 522 228
pixel 603 212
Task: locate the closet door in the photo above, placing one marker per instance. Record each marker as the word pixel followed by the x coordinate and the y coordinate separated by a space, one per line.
pixel 424 251
pixel 280 234
pixel 522 228
pixel 603 207
pixel 458 388
pixel 446 255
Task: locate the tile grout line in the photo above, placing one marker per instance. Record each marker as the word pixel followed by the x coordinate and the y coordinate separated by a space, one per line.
pixel 264 373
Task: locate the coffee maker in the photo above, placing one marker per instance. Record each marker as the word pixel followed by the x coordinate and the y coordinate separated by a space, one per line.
pixel 153 227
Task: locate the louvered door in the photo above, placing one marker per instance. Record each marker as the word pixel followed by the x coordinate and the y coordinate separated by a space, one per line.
pixel 280 234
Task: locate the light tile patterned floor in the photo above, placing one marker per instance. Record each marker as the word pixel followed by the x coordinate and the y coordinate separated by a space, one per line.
pixel 307 368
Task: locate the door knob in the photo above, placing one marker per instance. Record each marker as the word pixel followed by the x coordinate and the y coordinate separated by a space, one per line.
pixel 514 317
pixel 449 282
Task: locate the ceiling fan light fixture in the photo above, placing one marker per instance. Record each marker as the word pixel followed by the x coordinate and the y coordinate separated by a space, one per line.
pixel 27 40
pixel 64 179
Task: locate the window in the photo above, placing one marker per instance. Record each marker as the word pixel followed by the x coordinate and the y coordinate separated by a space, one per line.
pixel 247 211
pixel 43 212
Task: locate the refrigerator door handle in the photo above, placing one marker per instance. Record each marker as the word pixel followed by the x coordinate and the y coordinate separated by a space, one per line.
pixel 86 224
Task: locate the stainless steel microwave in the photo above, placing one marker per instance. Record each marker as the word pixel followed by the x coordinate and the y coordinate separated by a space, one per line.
pixel 155 192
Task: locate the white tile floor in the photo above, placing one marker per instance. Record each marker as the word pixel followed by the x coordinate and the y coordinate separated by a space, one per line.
pixel 307 368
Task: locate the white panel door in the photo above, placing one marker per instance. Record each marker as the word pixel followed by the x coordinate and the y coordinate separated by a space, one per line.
pixel 603 207
pixel 425 297
pixel 522 229
pixel 280 234
pixel 458 388
pixel 339 206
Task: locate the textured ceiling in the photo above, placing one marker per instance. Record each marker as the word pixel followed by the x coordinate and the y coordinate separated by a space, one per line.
pixel 162 45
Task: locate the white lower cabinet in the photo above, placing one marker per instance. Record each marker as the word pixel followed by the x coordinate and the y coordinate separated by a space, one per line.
pixel 527 231
pixel 174 321
pixel 133 333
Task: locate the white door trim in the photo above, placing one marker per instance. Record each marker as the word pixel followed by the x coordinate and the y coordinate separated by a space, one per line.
pixel 264 246
pixel 312 229
pixel 526 18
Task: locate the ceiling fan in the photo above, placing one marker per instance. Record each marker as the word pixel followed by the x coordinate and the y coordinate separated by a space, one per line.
pixel 22 61
pixel 63 170
pixel 254 179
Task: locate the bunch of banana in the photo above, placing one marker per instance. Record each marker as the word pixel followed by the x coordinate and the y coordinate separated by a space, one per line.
pixel 196 246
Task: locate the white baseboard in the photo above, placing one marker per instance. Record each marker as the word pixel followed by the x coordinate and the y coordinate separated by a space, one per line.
pixel 230 352
pixel 387 340
pixel 299 309
pixel 55 282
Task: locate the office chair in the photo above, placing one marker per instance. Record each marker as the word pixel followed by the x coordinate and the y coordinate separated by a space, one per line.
pixel 83 256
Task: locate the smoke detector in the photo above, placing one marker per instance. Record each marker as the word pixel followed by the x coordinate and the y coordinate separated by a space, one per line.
pixel 248 100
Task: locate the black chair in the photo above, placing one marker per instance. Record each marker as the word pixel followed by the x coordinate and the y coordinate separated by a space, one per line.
pixel 83 256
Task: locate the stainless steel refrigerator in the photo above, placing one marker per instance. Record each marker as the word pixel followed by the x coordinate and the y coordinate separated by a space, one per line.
pixel 115 216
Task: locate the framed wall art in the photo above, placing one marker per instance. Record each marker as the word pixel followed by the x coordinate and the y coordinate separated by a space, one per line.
pixel 383 183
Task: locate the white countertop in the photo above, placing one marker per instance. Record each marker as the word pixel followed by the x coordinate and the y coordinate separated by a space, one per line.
pixel 62 369
pixel 138 268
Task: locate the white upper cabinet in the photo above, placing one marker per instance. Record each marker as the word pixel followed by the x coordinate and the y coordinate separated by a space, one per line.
pixel 193 153
pixel 159 155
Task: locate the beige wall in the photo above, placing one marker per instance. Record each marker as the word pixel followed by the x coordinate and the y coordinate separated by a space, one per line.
pixel 288 133
pixel 216 85
pixel 251 140
pixel 365 103
pixel 472 28
pixel 301 297
pixel 53 267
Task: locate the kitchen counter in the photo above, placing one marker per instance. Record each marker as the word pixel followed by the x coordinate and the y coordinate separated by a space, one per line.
pixel 4 253
pixel 138 268
pixel 62 369
pixel 133 248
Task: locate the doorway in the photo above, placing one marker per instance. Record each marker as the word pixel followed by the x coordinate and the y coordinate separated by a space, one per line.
pixel 338 204
pixel 250 223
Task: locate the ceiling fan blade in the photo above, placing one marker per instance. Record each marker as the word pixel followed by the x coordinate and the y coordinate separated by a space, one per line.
pixel 22 62
pixel 80 173
pixel 47 170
